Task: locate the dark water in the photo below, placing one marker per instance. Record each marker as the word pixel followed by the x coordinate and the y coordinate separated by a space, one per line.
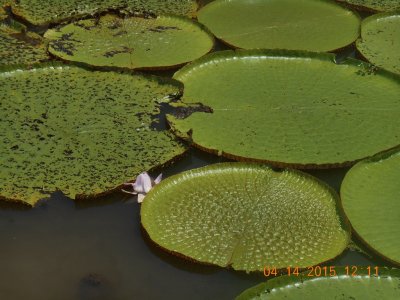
pixel 69 250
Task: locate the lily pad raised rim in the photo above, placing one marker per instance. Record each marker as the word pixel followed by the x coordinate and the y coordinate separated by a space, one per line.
pixel 373 159
pixel 285 280
pixel 343 221
pixel 55 64
pixel 352 6
pixel 330 57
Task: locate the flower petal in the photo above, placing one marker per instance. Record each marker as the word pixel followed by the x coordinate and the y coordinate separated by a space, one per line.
pixel 140 198
pixel 158 179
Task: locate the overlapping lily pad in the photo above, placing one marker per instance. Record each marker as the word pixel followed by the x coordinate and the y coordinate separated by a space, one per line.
pixel 314 25
pixel 364 285
pixel 371 200
pixel 131 42
pixel 17 47
pixel 376 5
pixel 290 108
pixel 380 40
pixel 246 216
pixel 80 132
pixel 41 12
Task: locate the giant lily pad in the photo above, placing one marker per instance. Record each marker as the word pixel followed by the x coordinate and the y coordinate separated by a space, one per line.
pixel 246 216
pixel 290 108
pixel 315 25
pixel 41 12
pixel 371 200
pixel 364 285
pixel 84 133
pixel 380 40
pixel 18 47
pixel 376 5
pixel 131 42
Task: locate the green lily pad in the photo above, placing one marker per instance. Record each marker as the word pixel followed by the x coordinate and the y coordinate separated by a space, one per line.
pixel 289 108
pixel 314 25
pixel 246 216
pixel 131 42
pixel 371 200
pixel 380 40
pixel 365 285
pixel 17 47
pixel 3 14
pixel 83 133
pixel 376 5
pixel 40 12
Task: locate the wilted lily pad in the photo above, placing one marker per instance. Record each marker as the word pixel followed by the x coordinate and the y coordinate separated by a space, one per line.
pixel 41 12
pixel 376 5
pixel 291 108
pixel 365 285
pixel 281 24
pixel 380 40
pixel 246 216
pixel 371 200
pixel 84 133
pixel 18 47
pixel 131 42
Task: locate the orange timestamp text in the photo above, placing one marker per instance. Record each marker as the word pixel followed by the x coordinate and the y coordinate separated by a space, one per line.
pixel 322 271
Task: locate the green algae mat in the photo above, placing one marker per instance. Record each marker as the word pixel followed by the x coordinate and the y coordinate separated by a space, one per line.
pixel 246 216
pixel 313 25
pixel 380 40
pixel 81 132
pixel 17 47
pixel 40 12
pixel 371 200
pixel 289 108
pixel 131 42
pixel 376 5
pixel 364 285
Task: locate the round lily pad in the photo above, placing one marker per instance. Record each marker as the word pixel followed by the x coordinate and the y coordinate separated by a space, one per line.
pixel 247 216
pixel 314 25
pixel 40 12
pixel 288 107
pixel 375 5
pixel 366 284
pixel 371 200
pixel 131 42
pixel 380 40
pixel 80 132
pixel 17 47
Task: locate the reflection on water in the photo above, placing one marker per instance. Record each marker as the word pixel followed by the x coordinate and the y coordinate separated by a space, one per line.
pixel 97 250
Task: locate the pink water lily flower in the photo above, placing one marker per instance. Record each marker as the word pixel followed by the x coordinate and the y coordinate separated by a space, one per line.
pixel 142 185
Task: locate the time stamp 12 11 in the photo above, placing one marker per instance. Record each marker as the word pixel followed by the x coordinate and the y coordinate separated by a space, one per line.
pixel 325 271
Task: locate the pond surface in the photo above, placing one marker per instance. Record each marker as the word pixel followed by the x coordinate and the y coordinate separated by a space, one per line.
pixel 96 249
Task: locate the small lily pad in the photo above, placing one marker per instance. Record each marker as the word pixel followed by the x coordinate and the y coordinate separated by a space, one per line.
pixel 40 12
pixel 289 107
pixel 375 5
pixel 247 216
pixel 83 133
pixel 380 40
pixel 131 42
pixel 314 25
pixel 371 200
pixel 364 285
pixel 20 48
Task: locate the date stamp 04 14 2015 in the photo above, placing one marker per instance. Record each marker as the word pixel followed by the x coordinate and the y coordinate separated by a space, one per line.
pixel 326 271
